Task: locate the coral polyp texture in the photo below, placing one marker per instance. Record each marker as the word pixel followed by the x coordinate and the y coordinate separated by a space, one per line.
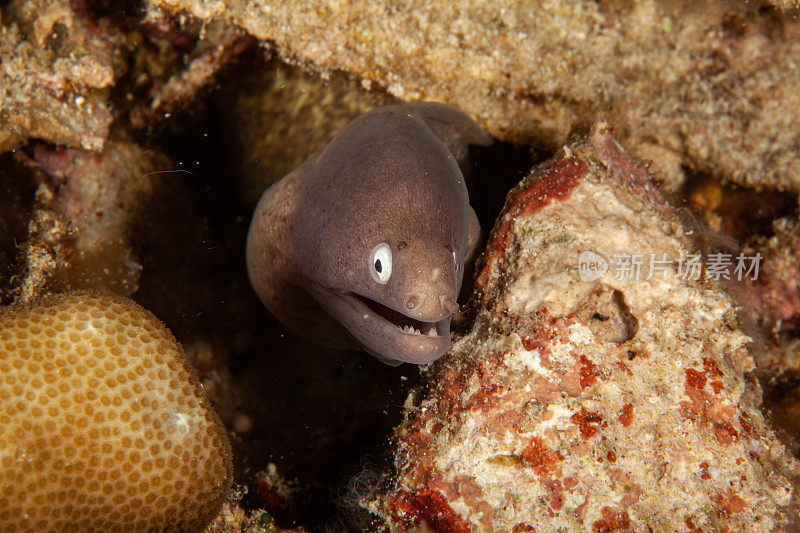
pixel 586 400
pixel 103 425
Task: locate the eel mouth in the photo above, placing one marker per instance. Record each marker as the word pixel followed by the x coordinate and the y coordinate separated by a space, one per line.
pixel 406 324
pixel 391 336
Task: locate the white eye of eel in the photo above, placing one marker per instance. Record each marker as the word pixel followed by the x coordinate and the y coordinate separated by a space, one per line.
pixel 457 261
pixel 380 263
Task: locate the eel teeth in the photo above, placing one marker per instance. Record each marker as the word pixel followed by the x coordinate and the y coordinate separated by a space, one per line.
pixel 411 329
pixel 432 332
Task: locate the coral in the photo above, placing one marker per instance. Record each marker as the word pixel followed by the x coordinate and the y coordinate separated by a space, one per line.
pixel 55 65
pixel 232 519
pixel 278 117
pixel 711 87
pixel 44 251
pixel 105 427
pixel 99 195
pixel 588 396
pixel 641 408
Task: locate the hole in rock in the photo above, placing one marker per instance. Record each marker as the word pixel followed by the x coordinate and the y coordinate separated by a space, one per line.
pixel 607 315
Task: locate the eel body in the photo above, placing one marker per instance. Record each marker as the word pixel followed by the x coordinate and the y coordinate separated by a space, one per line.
pixel 363 245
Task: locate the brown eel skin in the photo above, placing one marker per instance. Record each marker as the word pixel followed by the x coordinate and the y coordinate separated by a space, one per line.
pixel 363 246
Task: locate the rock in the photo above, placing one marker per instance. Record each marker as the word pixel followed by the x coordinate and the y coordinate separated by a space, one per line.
pixel 786 4
pixel 16 199
pixel 216 46
pixel 56 64
pixel 587 396
pixel 711 88
pixel 233 519
pixel 42 254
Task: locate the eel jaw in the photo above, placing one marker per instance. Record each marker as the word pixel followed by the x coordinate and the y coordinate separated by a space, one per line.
pixel 389 335
pixel 406 324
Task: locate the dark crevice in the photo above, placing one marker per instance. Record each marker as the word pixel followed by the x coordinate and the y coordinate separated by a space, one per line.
pixel 315 413
pixel 740 212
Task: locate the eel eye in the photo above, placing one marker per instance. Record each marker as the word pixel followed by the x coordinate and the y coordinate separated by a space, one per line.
pixel 380 263
pixel 457 261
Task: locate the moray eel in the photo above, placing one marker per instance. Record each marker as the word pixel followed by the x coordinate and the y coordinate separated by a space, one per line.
pixel 363 246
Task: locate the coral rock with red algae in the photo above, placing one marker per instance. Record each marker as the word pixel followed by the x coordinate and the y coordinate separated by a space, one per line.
pixel 610 404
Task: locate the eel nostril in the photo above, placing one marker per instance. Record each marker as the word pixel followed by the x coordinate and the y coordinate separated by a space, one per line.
pixel 448 303
pixel 413 301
